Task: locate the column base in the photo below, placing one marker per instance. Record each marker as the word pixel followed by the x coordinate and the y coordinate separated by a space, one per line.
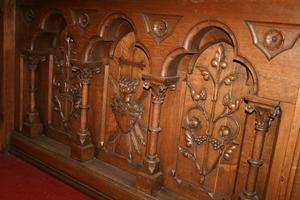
pixel 149 183
pixel 82 153
pixel 248 196
pixel 32 129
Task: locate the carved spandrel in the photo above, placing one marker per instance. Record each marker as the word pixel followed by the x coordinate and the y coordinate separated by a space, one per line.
pixel 273 38
pixel 81 18
pixel 28 14
pixel 160 26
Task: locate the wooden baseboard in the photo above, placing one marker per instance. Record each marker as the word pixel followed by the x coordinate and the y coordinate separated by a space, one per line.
pixel 95 178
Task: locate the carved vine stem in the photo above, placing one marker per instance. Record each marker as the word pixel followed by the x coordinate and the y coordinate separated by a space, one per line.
pixel 265 112
pixel 151 178
pixel 82 148
pixel 33 126
pixel 67 93
pixel 221 75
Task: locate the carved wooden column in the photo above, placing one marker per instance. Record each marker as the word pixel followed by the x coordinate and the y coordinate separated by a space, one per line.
pixel 32 125
pixel 82 148
pixel 150 178
pixel 265 112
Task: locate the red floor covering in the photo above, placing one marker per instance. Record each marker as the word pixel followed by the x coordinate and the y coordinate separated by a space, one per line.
pixel 22 181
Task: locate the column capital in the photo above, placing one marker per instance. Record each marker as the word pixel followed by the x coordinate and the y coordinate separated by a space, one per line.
pixel 33 58
pixel 86 70
pixel 159 85
pixel 266 111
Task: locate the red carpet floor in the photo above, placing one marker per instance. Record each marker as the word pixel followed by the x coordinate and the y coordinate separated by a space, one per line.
pixel 22 181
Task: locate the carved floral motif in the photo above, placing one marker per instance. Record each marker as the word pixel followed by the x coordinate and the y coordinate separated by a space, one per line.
pixel 66 87
pixel 199 132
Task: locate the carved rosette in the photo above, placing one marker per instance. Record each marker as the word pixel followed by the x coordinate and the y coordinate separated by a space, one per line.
pixel 273 38
pixel 82 18
pixel 28 14
pixel 160 26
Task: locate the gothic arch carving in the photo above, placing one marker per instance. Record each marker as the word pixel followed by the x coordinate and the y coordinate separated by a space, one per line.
pixel 116 25
pixel 53 21
pixel 215 80
pixel 199 38
pixel 48 36
pixel 45 40
pixel 125 103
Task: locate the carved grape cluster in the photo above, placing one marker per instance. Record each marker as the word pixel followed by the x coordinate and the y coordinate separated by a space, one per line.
pixel 206 138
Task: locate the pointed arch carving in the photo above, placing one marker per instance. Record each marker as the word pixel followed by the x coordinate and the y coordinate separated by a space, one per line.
pixel 45 40
pixel 125 102
pixel 48 36
pixel 215 80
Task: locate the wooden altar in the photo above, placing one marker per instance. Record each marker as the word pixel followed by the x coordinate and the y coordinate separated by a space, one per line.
pixel 185 99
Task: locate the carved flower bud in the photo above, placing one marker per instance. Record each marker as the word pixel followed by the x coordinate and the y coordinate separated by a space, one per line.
pixel 226 156
pixel 195 95
pixel 194 123
pixel 232 106
pixel 232 78
pixel 224 131
pixel 214 63
pixel 230 150
pixel 223 64
pixel 205 75
pixel 227 81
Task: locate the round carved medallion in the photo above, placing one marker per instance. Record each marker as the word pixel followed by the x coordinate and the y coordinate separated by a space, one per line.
pixel 83 20
pixel 160 28
pixel 273 40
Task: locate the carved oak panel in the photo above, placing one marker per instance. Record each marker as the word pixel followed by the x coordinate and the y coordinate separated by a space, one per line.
pixel 212 124
pixel 164 92
pixel 126 105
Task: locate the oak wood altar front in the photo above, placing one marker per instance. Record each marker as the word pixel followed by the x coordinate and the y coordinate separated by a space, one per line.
pixel 183 99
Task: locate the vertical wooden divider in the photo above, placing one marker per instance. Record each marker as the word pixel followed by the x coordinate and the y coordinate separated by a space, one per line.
pixel 104 102
pixel 150 178
pixel 265 112
pixel 21 93
pixel 32 125
pixel 50 91
pixel 82 148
